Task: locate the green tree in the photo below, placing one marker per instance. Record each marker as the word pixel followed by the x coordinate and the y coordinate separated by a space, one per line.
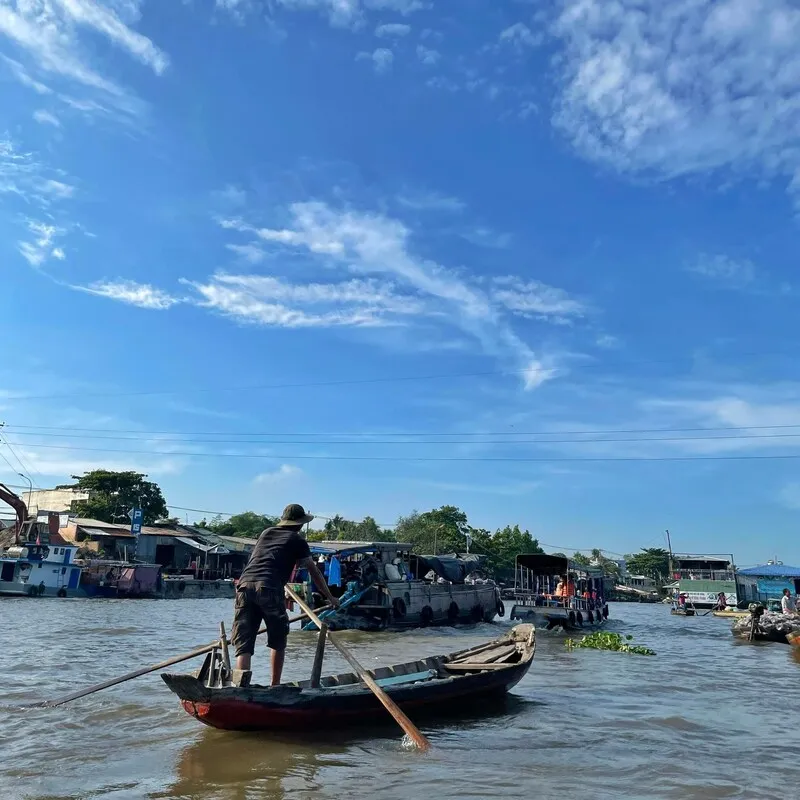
pixel 441 530
pixel 113 495
pixel 609 567
pixel 506 544
pixel 650 561
pixel 581 558
pixel 247 525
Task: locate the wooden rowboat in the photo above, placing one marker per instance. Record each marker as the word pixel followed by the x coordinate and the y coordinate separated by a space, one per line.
pixel 682 612
pixel 454 681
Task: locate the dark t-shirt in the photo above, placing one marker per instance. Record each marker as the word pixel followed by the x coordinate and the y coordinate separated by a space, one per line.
pixel 274 557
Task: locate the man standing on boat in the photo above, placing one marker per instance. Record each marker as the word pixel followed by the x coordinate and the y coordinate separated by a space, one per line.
pixel 260 591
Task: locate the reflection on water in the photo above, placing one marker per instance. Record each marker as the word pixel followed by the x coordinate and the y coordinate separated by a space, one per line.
pixel 708 717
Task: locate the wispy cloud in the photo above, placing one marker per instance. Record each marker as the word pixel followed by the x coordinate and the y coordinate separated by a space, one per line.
pixel 682 88
pixel 428 55
pixel 142 295
pixel 44 117
pixel 49 31
pixel 724 270
pixel 392 30
pixel 535 299
pixel 282 473
pixel 486 237
pixel 272 302
pixel 430 201
pixel 379 245
pixel 249 252
pixel 41 247
pixel 520 37
pixel 382 59
pixel 22 75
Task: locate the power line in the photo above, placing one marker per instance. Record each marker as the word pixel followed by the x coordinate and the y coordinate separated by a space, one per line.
pixel 364 381
pixel 296 457
pixel 18 428
pixel 420 442
pixel 23 466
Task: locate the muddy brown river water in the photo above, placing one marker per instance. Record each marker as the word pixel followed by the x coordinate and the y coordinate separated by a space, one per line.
pixel 708 717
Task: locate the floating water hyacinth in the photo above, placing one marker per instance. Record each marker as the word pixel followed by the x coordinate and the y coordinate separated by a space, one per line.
pixel 604 640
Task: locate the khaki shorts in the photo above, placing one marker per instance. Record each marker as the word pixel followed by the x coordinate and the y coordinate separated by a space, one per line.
pixel 255 603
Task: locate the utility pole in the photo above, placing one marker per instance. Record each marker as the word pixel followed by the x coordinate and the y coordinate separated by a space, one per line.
pixel 669 548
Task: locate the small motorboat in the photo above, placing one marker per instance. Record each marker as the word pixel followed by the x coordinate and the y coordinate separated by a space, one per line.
pixel 446 682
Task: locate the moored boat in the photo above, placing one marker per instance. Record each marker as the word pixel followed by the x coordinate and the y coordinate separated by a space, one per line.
pixel 442 682
pixel 39 561
pixel 383 585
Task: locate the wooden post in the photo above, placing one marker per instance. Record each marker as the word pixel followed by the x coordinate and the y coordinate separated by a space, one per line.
pixel 226 657
pixel 316 670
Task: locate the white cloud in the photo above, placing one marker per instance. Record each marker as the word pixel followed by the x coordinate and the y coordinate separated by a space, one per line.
pixel 536 299
pixel 485 237
pixel 39 250
pixel 537 373
pixel 379 245
pixel 684 87
pixel 724 270
pixel 427 55
pixel 382 59
pixel 249 252
pixel 56 189
pixel 270 301
pixel 282 473
pixel 49 31
pixel 607 341
pixel 44 117
pixel 520 36
pixel 22 75
pixel 392 30
pixel 430 201
pixel 352 13
pixel 142 295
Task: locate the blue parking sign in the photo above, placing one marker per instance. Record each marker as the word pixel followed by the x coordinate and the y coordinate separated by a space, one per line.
pixel 136 521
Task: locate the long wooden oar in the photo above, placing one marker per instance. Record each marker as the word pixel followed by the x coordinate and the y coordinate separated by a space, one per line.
pixel 143 671
pixel 402 720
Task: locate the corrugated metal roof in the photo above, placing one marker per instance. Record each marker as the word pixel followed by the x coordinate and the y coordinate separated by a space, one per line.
pixel 112 532
pixel 203 548
pixel 772 571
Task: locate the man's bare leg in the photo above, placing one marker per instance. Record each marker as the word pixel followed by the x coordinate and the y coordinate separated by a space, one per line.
pixel 243 661
pixel 277 666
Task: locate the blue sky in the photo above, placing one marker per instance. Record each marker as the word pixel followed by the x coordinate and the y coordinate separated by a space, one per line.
pixel 539 235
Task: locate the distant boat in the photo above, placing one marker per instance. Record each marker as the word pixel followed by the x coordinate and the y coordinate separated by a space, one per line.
pixel 455 682
pixel 541 596
pixel 40 570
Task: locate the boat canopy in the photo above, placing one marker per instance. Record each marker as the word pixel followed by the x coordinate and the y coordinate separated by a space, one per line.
pixel 453 567
pixel 342 549
pixel 542 564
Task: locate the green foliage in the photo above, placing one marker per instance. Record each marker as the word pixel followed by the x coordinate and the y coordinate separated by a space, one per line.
pixel 605 640
pixel 650 561
pixel 441 530
pixel 504 546
pixel 582 559
pixel 112 495
pixel 345 530
pixel 609 567
pixel 247 525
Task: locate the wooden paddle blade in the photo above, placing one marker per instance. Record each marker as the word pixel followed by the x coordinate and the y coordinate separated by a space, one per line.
pixel 402 720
